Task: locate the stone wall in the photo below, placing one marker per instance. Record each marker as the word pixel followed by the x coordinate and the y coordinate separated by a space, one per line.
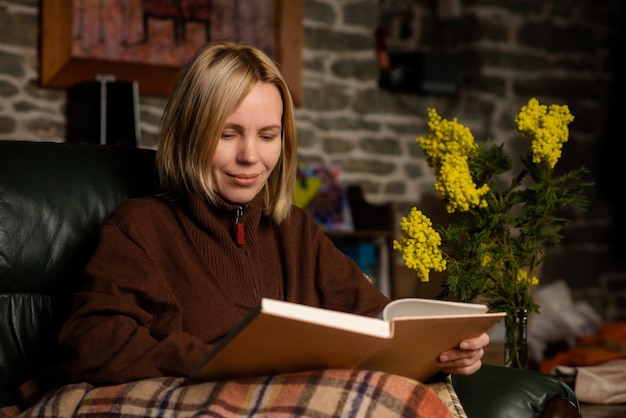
pixel 558 51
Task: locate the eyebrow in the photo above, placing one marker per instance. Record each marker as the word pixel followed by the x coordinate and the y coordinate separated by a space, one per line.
pixel 264 128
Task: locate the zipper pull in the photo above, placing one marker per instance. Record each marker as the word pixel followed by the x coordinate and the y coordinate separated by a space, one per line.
pixel 239 235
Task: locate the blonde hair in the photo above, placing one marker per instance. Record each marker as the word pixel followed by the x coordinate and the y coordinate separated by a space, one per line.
pixel 208 90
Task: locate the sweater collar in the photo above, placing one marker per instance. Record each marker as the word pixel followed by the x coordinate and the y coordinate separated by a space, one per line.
pixel 224 214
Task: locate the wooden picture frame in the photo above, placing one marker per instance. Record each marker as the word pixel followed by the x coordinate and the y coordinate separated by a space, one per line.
pixel 58 68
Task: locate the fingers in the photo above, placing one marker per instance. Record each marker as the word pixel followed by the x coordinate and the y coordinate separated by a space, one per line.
pixel 475 343
pixel 464 370
pixel 467 349
pixel 464 362
pixel 467 358
pixel 460 358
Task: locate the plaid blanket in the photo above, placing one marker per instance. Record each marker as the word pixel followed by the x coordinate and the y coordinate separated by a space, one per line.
pixel 326 393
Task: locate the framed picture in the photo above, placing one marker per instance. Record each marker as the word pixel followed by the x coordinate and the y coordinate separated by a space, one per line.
pixel 148 41
pixel 320 191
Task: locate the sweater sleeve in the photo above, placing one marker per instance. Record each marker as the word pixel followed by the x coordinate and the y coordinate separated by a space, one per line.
pixel 126 324
pixel 345 286
pixel 339 282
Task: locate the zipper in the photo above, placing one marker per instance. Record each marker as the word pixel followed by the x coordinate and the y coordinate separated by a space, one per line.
pixel 239 231
pixel 240 239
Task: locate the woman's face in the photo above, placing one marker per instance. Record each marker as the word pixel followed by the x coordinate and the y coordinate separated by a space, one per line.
pixel 249 146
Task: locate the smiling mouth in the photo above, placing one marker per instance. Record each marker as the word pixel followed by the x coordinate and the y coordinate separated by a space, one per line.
pixel 244 179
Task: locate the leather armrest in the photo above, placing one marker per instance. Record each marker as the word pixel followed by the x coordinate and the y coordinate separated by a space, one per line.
pixel 29 324
pixel 497 391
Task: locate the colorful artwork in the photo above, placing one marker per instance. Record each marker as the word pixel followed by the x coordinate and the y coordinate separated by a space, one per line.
pixel 148 41
pixel 321 193
pixel 166 32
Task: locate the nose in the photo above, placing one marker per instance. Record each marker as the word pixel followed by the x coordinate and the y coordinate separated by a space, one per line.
pixel 248 152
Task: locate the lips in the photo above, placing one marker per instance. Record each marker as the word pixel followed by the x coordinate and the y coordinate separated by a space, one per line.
pixel 244 179
pixel 245 176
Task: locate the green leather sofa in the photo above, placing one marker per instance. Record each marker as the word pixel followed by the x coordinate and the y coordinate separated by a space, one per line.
pixel 52 199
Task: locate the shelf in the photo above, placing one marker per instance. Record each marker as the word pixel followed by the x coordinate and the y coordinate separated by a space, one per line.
pixel 373 225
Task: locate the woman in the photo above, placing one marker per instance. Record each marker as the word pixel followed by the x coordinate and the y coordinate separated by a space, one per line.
pixel 173 274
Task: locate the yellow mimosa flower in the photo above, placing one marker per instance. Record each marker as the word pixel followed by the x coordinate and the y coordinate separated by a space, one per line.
pixel 500 221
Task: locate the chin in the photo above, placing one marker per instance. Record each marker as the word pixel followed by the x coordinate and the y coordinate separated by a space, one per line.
pixel 239 199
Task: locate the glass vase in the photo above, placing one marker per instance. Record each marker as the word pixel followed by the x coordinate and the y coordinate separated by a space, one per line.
pixel 515 339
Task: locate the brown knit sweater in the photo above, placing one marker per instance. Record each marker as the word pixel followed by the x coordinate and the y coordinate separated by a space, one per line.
pixel 168 280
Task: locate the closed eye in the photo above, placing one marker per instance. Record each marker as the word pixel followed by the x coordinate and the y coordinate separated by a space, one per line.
pixel 271 133
pixel 229 134
pixel 269 137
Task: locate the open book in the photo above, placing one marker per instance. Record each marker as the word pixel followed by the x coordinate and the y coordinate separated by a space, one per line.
pixel 282 337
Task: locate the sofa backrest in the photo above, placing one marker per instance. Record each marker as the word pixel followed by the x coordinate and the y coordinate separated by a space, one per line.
pixel 53 196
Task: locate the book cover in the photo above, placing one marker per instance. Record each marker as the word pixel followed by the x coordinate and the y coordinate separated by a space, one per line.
pixel 283 337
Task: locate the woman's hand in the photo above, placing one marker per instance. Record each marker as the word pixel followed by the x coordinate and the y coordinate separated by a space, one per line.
pixel 466 359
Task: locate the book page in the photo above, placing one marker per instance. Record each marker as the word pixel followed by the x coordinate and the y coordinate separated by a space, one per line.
pixel 333 319
pixel 410 307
